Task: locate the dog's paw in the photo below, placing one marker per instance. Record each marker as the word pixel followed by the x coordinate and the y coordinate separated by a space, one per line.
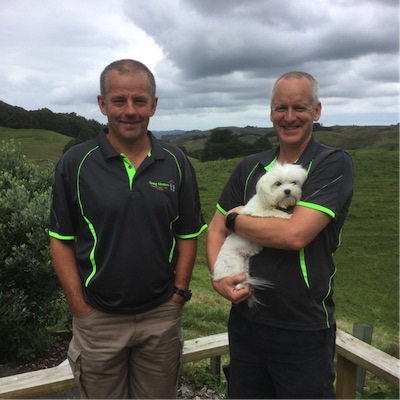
pixel 240 286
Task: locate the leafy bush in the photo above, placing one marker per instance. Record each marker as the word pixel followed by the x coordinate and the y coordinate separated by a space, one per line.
pixel 30 295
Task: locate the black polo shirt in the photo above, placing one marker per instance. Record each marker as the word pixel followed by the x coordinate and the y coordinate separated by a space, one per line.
pixel 125 222
pixel 301 298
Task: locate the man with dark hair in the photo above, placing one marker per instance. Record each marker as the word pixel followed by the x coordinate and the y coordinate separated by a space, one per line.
pixel 124 223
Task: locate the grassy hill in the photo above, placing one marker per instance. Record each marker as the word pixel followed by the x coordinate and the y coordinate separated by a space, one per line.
pixel 367 282
pixel 44 145
pixel 361 137
pixel 37 145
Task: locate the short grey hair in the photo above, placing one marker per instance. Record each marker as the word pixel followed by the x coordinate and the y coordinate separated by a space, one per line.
pixel 299 75
pixel 126 67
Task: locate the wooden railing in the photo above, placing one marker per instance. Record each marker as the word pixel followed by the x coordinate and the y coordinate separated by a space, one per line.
pixel 351 353
pixel 57 379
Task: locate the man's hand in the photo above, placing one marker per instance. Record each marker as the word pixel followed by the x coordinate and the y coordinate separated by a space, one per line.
pixel 81 309
pixel 226 287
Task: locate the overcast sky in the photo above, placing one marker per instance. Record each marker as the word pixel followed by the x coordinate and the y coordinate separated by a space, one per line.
pixel 214 60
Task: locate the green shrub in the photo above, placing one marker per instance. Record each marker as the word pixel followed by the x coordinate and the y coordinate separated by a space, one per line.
pixel 29 290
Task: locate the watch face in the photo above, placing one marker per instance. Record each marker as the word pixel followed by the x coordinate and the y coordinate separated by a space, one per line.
pixel 188 295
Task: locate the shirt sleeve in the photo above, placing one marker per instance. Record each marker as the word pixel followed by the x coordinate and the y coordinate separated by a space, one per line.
pixel 62 213
pixel 191 221
pixel 329 184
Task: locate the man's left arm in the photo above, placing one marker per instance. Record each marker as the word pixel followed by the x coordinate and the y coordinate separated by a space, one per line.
pixel 287 234
pixel 184 266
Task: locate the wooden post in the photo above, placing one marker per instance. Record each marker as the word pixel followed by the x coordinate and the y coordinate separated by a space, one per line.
pixel 215 366
pixel 346 378
pixel 363 332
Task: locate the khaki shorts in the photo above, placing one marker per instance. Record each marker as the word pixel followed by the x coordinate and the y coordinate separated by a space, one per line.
pixel 128 356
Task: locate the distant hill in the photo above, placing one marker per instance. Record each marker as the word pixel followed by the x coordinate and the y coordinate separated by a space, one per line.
pixel 344 137
pixel 160 134
pixel 75 126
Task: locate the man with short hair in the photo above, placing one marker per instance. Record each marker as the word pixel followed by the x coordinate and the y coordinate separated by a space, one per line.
pixel 284 347
pixel 124 223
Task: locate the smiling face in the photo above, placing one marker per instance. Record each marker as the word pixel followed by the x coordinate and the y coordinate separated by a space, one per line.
pixel 293 111
pixel 128 105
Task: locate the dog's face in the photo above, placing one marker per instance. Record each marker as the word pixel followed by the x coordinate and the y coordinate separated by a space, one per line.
pixel 281 185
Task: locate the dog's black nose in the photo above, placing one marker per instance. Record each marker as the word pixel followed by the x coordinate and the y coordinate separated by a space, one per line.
pixel 287 192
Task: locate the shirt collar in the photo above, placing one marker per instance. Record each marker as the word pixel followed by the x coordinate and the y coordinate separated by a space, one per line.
pixel 109 152
pixel 268 157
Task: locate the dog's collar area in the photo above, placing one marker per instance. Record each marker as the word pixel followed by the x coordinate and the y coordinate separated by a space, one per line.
pixel 288 210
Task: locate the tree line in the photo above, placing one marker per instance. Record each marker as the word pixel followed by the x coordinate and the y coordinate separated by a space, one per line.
pixel 69 124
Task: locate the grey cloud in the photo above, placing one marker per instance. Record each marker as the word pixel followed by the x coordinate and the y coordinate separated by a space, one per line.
pixel 227 54
pixel 214 60
pixel 209 37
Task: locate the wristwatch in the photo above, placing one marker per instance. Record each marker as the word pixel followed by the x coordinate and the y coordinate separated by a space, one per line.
pixel 186 294
pixel 230 221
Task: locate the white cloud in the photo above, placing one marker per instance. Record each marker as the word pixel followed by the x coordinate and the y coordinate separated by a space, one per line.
pixel 214 61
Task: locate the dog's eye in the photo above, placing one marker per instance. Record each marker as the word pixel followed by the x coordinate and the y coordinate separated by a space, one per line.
pixel 278 183
pixel 294 183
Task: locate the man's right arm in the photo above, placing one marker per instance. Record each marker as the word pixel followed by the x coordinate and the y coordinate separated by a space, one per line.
pixel 63 256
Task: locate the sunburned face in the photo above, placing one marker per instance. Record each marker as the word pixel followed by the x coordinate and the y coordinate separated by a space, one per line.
pixel 293 111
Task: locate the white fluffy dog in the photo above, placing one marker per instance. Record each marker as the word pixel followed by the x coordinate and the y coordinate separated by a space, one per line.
pixel 277 191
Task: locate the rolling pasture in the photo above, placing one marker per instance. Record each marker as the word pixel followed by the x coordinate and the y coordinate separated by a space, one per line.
pixel 367 279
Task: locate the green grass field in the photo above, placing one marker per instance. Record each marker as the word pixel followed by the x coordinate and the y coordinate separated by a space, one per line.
pixel 367 283
pixel 39 146
pixel 367 280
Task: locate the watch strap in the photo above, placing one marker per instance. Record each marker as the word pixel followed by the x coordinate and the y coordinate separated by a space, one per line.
pixel 230 221
pixel 186 294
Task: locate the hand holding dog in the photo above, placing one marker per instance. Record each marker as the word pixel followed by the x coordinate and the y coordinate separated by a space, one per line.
pixel 277 192
pixel 226 287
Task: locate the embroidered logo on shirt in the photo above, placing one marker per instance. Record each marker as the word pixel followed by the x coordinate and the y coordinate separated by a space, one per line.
pixel 163 185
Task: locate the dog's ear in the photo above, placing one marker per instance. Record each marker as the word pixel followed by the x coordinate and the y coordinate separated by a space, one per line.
pixel 264 188
pixel 259 182
pixel 303 175
pixel 300 174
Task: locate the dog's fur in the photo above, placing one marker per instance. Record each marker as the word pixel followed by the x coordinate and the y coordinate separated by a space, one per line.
pixel 277 191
